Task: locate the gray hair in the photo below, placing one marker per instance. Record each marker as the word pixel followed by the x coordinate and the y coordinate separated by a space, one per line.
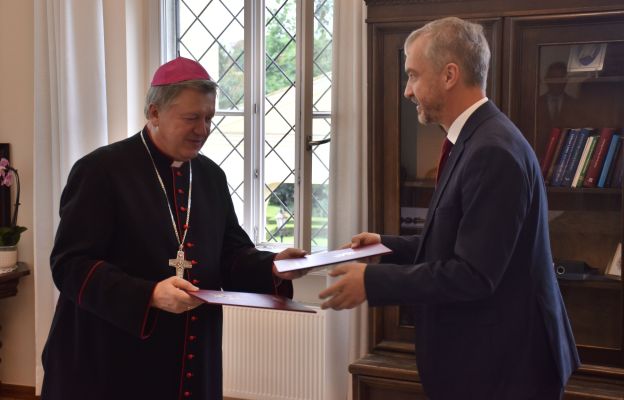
pixel 162 96
pixel 458 41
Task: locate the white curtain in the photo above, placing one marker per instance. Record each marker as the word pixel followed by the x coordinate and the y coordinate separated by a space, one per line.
pixel 91 72
pixel 347 330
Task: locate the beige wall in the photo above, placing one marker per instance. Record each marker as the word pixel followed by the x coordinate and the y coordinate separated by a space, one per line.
pixel 16 127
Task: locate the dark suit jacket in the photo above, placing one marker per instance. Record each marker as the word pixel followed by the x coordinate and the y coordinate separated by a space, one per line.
pixel 489 318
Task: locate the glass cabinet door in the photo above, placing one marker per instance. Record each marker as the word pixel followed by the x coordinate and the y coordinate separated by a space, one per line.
pixel 566 94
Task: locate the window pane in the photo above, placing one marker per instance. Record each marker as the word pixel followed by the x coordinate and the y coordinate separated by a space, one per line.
pixel 279 147
pixel 212 32
pixel 323 24
pixel 320 184
pixel 226 147
pixel 321 124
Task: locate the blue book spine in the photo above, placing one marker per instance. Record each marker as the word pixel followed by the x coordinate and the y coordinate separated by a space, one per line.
pixel 618 174
pixel 614 163
pixel 575 157
pixel 608 160
pixel 566 152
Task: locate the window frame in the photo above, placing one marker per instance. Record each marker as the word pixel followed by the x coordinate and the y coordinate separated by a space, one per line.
pixel 254 114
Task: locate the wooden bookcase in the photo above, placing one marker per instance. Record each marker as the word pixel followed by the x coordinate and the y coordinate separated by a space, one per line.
pixel 586 224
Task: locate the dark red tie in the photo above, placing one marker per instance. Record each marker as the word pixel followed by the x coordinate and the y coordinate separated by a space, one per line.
pixel 446 150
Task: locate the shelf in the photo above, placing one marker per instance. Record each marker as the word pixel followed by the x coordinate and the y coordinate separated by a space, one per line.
pixel 601 191
pixel 608 284
pixel 9 281
pixel 419 193
pixel 393 366
pixel 426 184
pixel 585 78
pixel 563 198
pixel 429 184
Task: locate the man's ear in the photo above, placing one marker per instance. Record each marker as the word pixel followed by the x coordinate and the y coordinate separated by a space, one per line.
pixel 451 75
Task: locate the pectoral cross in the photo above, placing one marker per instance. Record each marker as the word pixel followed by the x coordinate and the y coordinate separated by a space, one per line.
pixel 180 264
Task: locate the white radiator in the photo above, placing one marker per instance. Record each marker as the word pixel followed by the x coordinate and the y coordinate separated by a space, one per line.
pixel 273 355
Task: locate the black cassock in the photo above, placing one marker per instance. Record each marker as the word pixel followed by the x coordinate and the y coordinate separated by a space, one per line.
pixel 113 244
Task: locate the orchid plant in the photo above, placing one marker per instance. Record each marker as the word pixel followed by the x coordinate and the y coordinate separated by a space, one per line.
pixel 10 235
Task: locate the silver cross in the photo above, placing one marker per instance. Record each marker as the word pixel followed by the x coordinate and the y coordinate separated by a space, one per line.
pixel 180 264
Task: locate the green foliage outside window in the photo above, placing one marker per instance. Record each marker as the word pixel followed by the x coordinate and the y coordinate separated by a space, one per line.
pixel 280 54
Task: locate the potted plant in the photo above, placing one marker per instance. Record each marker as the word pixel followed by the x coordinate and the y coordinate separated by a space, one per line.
pixel 10 235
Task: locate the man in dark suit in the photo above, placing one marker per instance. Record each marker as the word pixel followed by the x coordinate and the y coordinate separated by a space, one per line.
pixel 489 318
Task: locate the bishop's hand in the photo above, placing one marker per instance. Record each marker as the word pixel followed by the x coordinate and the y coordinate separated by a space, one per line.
pixel 170 295
pixel 286 254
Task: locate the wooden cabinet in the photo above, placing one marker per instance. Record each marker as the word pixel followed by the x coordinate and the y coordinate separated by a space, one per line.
pixel 585 223
pixel 526 38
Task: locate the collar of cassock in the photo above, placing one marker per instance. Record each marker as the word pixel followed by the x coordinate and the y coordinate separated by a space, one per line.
pixel 163 161
pixel 171 174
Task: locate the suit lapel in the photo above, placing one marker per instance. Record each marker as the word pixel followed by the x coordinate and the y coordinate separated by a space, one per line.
pixel 486 111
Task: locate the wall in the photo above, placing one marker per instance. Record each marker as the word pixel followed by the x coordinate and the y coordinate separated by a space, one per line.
pixel 16 127
pixel 128 67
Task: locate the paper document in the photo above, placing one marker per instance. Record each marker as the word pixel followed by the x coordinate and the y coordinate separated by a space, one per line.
pixel 331 257
pixel 254 300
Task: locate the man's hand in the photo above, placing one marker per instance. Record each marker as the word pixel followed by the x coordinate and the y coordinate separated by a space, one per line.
pixel 286 254
pixel 170 295
pixel 364 239
pixel 348 292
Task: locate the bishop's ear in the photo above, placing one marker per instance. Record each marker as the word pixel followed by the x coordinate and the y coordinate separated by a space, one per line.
pixel 153 114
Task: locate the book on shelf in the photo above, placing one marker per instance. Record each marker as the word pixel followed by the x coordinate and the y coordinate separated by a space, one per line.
pixel 564 157
pixel 597 160
pixel 616 159
pixel 581 170
pixel 615 266
pixel 553 141
pixel 575 156
pixel 618 173
pixel 555 156
pixel 613 148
